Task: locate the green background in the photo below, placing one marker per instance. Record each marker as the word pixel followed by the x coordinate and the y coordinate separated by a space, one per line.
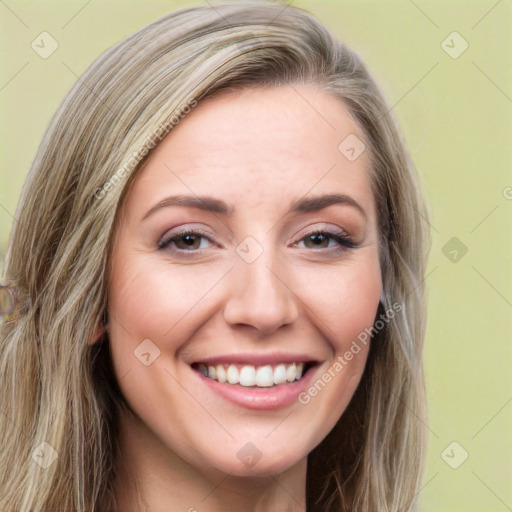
pixel 456 117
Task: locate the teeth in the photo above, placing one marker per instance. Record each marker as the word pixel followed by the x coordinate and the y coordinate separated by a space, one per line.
pixel 221 374
pixel 233 375
pixel 290 372
pixel 280 374
pixel 249 375
pixel 265 377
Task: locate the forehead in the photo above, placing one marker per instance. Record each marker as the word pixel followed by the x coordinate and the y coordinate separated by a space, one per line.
pixel 260 147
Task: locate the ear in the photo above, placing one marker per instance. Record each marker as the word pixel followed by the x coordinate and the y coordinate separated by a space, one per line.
pixel 98 335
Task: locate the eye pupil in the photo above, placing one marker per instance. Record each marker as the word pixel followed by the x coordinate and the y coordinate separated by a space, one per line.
pixel 318 239
pixel 190 240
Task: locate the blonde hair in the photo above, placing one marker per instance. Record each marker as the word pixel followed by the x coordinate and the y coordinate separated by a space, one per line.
pixel 58 388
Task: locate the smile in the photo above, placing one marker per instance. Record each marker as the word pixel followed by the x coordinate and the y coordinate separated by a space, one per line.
pixel 253 376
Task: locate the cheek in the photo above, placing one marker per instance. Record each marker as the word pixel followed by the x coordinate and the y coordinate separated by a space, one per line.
pixel 345 303
pixel 150 298
pixel 344 299
pixel 357 303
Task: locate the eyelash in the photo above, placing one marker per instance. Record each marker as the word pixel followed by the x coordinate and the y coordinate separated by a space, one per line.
pixel 344 241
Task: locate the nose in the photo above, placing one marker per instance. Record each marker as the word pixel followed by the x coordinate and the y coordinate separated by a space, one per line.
pixel 260 296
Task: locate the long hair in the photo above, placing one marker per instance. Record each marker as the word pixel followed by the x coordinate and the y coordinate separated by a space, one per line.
pixel 59 399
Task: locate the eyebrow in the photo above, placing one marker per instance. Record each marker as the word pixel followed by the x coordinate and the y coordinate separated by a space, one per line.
pixel 211 204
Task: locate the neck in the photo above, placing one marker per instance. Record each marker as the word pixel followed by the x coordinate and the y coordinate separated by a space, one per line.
pixel 150 477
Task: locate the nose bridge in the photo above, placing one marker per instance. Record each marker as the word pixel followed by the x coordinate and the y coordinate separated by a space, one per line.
pixel 260 295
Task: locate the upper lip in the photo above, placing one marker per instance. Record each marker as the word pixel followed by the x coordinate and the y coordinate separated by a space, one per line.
pixel 257 359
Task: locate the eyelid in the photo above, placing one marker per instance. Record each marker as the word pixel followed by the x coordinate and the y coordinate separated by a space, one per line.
pixel 323 228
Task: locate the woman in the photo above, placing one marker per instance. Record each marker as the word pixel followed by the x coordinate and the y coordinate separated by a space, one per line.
pixel 219 258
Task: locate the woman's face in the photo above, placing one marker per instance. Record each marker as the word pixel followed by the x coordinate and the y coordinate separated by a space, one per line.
pixel 247 243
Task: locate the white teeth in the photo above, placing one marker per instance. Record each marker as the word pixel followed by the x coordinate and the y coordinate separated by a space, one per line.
pixel 249 375
pixel 290 372
pixel 280 374
pixel 233 375
pixel 265 377
pixel 221 374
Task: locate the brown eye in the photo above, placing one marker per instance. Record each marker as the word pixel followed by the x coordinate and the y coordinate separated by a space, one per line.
pixel 317 241
pixel 327 240
pixel 189 241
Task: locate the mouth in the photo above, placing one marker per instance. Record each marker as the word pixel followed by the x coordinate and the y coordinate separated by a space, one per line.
pixel 264 381
pixel 255 376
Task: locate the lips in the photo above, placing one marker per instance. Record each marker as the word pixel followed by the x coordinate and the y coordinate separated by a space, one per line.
pixel 257 380
pixel 264 394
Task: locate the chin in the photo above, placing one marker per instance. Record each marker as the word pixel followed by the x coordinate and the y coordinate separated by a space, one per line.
pixel 251 461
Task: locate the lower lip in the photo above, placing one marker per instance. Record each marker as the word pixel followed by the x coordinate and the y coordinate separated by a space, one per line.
pixel 263 399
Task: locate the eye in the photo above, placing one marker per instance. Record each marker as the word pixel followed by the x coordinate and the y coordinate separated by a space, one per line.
pixel 327 240
pixel 189 241
pixel 194 241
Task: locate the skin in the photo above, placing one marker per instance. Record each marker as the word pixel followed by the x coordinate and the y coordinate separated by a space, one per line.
pixel 258 150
